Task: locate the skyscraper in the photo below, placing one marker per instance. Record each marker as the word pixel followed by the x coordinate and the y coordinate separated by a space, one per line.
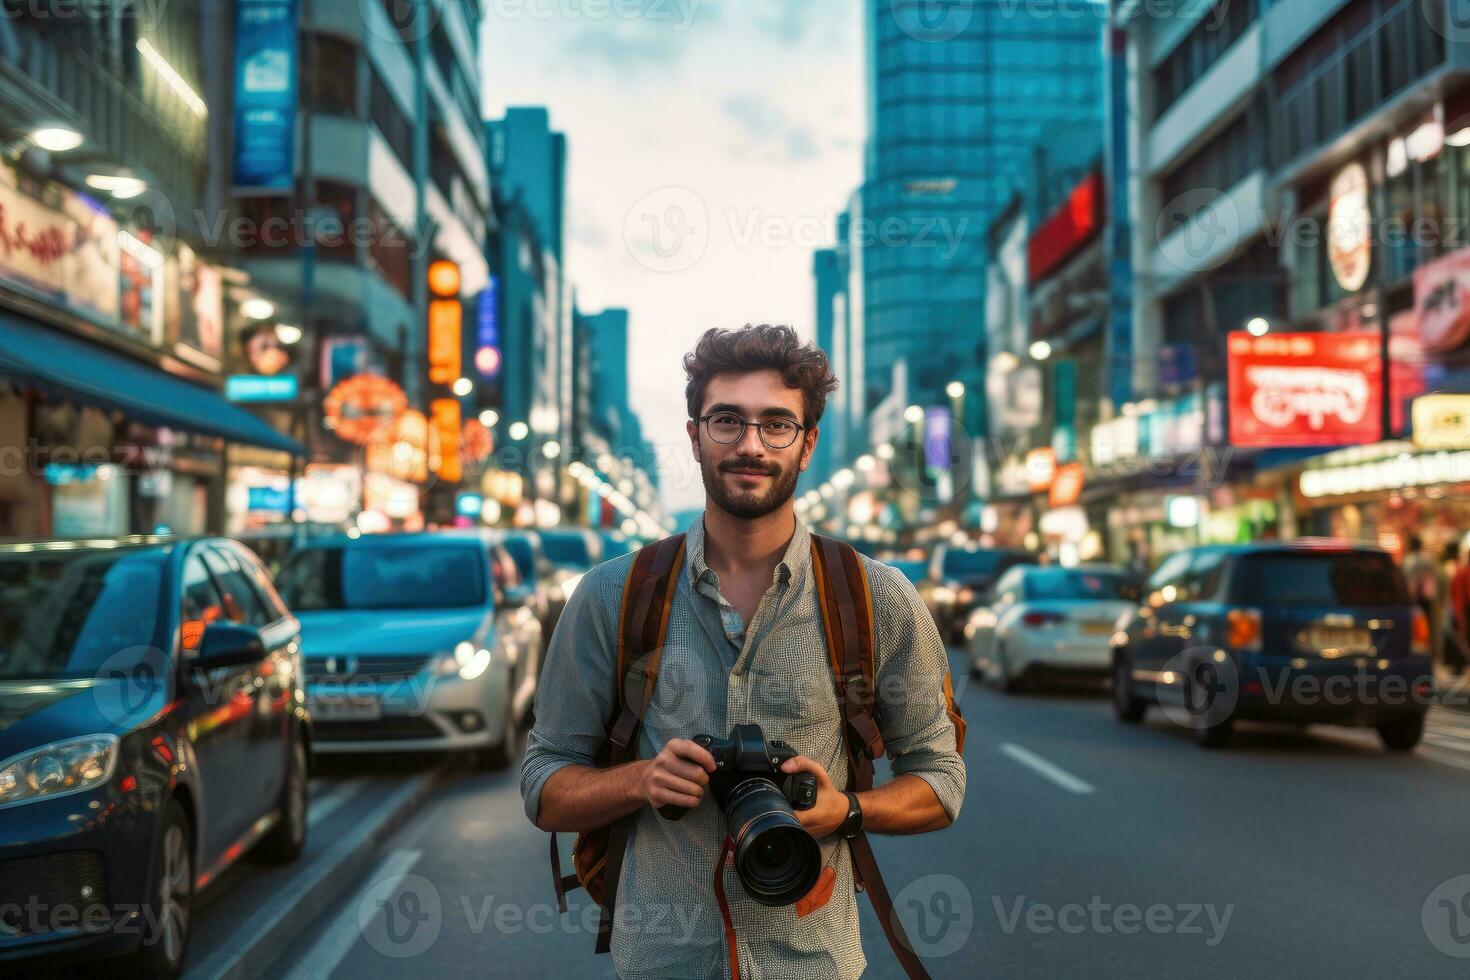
pixel 959 94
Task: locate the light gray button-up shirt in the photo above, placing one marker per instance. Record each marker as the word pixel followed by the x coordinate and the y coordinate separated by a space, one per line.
pixel 717 672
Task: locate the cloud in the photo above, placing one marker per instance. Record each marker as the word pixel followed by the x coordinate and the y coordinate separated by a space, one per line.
pixel 793 22
pixel 622 49
pixel 764 123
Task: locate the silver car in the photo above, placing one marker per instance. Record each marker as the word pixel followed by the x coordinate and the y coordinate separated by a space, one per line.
pixel 411 644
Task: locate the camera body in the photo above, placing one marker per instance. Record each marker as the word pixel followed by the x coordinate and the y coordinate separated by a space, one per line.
pixel 747 754
pixel 776 859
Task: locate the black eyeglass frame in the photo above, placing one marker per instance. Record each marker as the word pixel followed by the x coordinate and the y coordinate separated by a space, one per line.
pixel 745 425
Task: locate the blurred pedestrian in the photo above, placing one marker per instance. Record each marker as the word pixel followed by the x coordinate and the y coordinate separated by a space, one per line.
pixel 1457 619
pixel 1427 585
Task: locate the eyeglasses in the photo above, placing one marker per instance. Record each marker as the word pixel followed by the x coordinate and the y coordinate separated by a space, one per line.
pixel 727 428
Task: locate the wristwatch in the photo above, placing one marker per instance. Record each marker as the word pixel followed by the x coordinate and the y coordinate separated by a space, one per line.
pixel 853 825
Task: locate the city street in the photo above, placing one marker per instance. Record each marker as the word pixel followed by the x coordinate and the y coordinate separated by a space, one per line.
pixel 1086 848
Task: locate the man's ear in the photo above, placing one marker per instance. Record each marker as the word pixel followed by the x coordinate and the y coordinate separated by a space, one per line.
pixel 692 428
pixel 809 446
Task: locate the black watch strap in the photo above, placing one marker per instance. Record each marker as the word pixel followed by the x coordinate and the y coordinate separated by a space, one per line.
pixel 853 825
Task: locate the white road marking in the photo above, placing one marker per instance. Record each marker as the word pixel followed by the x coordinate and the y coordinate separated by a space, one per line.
pixel 320 809
pixel 1055 773
pixel 337 940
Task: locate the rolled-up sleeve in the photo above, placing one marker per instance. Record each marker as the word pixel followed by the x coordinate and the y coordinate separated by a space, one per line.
pixel 910 671
pixel 574 696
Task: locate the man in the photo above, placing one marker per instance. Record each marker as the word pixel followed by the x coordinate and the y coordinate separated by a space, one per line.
pixel 745 644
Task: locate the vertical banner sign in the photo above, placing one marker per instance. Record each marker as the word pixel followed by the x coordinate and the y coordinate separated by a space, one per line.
pixel 446 324
pixel 487 332
pixel 266 72
pixel 446 421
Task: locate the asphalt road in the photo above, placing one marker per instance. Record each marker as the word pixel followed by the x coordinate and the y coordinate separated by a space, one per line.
pixel 1086 848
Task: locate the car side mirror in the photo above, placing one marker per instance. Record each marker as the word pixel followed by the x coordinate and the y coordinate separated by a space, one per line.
pixel 228 644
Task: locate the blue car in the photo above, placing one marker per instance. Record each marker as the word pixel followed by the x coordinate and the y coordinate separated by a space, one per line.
pixel 152 732
pixel 1310 632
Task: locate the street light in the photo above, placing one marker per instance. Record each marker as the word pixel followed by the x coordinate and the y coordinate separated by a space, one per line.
pixel 462 387
pixel 1258 326
pixel 489 417
pixel 913 414
pixel 288 334
pixel 1040 350
pixel 256 308
pixel 553 449
pixel 518 431
pixel 57 139
pixel 955 389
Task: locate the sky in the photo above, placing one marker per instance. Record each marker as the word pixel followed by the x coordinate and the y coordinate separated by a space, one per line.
pixel 711 144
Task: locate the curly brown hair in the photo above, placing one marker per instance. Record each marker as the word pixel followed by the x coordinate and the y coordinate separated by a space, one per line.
pixel 760 348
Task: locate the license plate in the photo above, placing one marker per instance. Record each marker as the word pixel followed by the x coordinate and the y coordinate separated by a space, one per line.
pixel 1097 629
pixel 1330 640
pixel 345 708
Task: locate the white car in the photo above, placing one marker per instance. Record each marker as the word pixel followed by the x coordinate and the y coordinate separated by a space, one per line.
pixel 1045 619
pixel 411 644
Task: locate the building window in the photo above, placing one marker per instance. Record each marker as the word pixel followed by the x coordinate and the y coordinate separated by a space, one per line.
pixel 331 82
pixel 341 198
pixel 390 250
pixel 1221 162
pixel 392 124
pixel 1205 44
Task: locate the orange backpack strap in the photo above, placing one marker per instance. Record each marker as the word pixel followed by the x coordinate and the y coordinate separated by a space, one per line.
pixel 846 602
pixel 643 622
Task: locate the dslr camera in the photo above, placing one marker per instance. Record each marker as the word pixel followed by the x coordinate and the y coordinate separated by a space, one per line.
pixel 776 859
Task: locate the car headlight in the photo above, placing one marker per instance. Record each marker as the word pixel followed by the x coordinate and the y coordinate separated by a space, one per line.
pixel 467 661
pixel 570 585
pixel 61 767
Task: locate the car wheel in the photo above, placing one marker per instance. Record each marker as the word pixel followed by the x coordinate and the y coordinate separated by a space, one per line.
pixel 168 911
pixel 1127 706
pixel 1401 734
pixel 286 839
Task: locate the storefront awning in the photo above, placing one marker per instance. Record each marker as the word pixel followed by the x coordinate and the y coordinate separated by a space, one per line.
pixel 72 367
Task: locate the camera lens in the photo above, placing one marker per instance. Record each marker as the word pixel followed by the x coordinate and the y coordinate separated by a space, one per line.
pixel 776 860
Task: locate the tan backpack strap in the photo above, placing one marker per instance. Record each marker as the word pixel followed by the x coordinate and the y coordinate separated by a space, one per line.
pixel 648 592
pixel 847 617
pixel 846 602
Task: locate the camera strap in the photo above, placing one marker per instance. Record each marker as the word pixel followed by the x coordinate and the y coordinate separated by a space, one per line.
pixel 727 853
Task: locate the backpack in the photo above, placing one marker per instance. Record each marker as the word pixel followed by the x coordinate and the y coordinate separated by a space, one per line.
pixel 846 605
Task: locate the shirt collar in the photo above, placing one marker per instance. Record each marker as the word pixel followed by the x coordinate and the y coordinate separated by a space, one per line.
pixel 794 561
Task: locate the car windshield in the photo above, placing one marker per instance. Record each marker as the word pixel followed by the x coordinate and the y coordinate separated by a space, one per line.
pixel 961 563
pixel 566 549
pixel 383 577
pixel 66 613
pixel 1064 583
pixel 1340 579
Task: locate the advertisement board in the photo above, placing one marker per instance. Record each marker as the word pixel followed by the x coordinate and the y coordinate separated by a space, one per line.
pixel 1305 389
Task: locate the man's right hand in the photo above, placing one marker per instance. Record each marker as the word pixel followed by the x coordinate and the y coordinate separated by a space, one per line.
pixel 677 775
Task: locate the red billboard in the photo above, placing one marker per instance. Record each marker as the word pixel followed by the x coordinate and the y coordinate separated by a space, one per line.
pixel 1071 226
pixel 1305 389
pixel 1442 300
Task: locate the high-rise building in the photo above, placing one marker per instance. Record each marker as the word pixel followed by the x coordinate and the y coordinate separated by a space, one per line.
pixel 959 96
pixel 530 162
pixel 607 341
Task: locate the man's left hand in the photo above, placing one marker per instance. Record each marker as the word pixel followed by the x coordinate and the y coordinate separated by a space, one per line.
pixel 823 819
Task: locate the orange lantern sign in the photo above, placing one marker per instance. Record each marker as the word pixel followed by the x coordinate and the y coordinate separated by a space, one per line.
pixel 446 421
pixel 358 406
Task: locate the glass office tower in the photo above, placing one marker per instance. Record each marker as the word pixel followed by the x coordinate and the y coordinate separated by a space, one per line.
pixel 962 97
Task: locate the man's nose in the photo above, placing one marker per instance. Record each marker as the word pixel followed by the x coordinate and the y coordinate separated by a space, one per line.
pixel 750 443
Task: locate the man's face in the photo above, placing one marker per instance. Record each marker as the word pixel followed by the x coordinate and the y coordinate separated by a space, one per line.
pixel 748 479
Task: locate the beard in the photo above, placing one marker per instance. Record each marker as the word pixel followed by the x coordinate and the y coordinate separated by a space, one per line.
pixel 748 504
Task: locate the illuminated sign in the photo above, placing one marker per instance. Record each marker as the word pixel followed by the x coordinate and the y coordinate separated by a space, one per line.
pixel 487 332
pixel 266 70
pixel 1305 389
pixel 361 405
pixel 1349 237
pixel 1442 299
pixel 1041 468
pixel 1398 473
pixel 1066 485
pixel 260 388
pixel 444 413
pixel 446 322
pixel 1073 225
pixel 1442 422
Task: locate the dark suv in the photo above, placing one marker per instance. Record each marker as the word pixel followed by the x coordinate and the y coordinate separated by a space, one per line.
pixel 1303 632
